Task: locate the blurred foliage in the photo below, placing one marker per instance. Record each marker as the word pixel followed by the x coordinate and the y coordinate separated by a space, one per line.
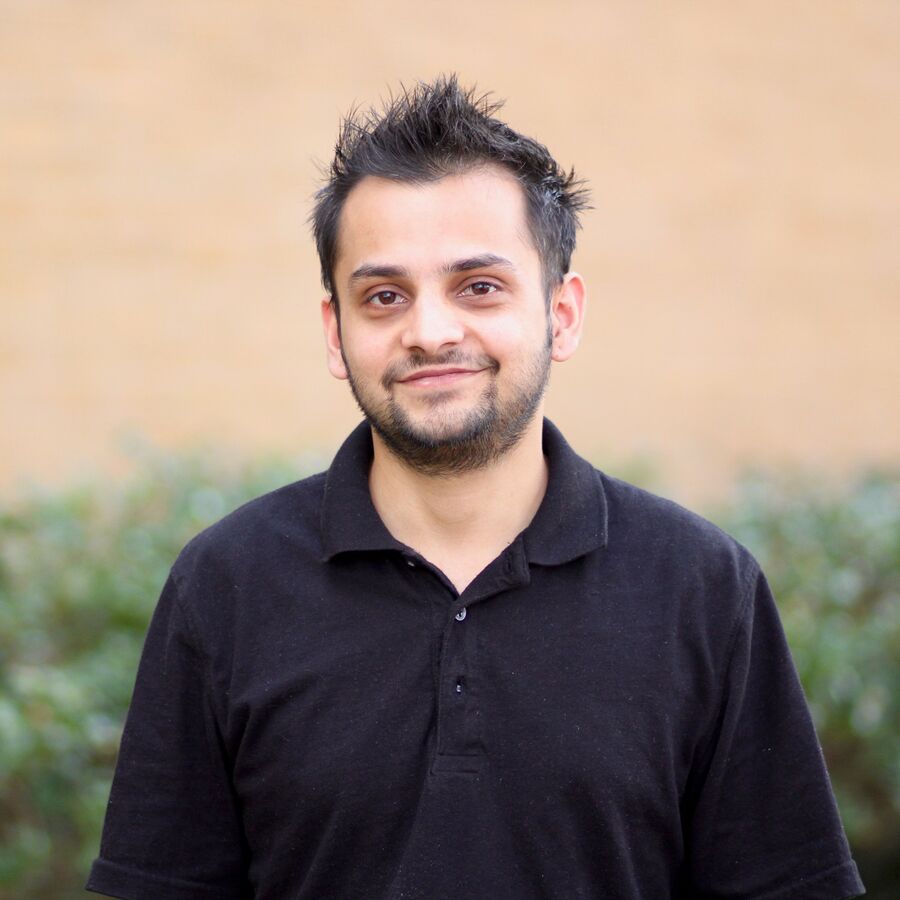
pixel 80 571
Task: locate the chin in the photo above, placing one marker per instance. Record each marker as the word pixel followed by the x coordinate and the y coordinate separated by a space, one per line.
pixel 445 427
pixel 450 434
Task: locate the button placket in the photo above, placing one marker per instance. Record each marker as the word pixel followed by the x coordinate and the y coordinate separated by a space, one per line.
pixel 460 679
pixel 458 741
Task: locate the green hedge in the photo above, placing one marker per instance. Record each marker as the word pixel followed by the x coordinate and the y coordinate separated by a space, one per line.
pixel 80 571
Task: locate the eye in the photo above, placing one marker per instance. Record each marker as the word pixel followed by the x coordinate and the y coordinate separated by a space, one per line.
pixel 384 299
pixel 480 288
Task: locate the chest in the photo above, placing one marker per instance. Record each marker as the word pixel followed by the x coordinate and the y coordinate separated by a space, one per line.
pixel 375 687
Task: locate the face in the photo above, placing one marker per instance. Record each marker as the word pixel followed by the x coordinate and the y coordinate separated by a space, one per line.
pixel 444 334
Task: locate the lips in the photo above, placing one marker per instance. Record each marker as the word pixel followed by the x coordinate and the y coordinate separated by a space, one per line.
pixel 437 374
pixel 444 371
pixel 426 378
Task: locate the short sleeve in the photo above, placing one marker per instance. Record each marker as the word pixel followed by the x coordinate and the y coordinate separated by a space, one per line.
pixel 764 822
pixel 172 828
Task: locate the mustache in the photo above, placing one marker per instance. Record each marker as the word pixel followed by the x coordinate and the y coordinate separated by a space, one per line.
pixel 415 361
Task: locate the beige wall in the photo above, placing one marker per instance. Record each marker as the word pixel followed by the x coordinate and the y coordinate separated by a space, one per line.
pixel 156 272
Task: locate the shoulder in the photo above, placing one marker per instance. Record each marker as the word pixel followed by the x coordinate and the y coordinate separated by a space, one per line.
pixel 259 533
pixel 675 544
pixel 638 516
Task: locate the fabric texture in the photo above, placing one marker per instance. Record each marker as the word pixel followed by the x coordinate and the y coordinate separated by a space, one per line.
pixel 609 710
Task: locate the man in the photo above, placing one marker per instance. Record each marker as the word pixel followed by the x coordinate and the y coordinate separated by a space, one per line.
pixel 463 663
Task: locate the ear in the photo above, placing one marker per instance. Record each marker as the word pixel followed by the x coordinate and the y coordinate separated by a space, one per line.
pixel 567 316
pixel 332 328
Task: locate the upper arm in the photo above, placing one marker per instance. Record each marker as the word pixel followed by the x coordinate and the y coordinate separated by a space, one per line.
pixel 172 827
pixel 763 819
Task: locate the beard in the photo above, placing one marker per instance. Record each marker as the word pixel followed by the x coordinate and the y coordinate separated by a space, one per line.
pixel 446 444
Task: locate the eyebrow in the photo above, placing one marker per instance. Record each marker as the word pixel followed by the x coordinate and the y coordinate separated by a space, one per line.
pixel 482 261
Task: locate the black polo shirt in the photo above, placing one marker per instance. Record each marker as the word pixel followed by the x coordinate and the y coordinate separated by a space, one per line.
pixel 609 710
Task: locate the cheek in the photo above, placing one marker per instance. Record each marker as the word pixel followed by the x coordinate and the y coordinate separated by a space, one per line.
pixel 368 355
pixel 516 341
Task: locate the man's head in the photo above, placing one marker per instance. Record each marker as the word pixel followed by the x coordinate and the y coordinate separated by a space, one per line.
pixel 446 325
pixel 440 129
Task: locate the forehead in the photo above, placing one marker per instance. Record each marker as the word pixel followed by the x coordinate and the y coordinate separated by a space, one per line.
pixel 422 226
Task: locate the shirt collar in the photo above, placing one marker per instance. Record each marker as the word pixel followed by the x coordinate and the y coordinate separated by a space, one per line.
pixel 570 522
pixel 572 519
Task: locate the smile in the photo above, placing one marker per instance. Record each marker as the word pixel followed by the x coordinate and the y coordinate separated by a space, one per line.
pixel 438 378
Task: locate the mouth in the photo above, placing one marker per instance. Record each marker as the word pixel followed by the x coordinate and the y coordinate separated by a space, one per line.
pixel 437 378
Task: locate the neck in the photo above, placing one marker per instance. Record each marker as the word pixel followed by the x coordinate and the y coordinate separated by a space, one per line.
pixel 461 522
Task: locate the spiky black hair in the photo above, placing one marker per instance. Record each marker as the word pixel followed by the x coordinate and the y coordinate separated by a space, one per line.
pixel 437 129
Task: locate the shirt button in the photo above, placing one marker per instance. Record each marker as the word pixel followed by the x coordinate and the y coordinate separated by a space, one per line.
pixel 461 615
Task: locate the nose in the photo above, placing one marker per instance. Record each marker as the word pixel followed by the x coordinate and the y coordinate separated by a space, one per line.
pixel 432 324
